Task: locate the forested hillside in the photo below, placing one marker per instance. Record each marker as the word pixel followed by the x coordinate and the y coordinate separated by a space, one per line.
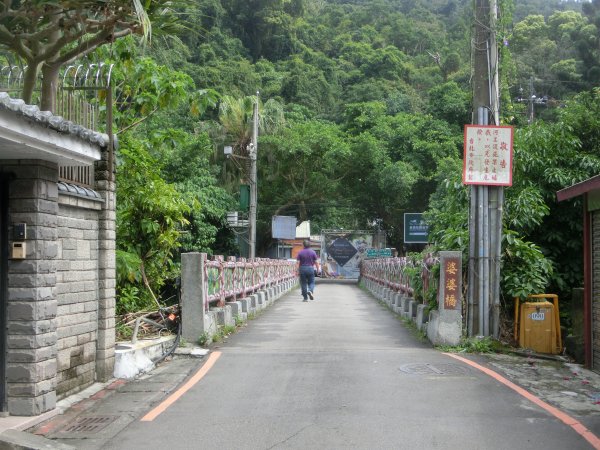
pixel 362 108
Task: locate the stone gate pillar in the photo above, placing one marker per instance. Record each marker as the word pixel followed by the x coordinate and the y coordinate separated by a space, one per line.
pixel 32 303
pixel 445 324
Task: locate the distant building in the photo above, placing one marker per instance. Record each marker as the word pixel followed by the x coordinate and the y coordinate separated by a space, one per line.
pixel 289 248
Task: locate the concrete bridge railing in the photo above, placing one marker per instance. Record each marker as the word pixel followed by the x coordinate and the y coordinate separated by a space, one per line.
pixel 222 291
pixel 396 281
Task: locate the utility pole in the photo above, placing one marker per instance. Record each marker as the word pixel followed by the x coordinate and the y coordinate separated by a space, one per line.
pixel 485 214
pixel 531 101
pixel 253 187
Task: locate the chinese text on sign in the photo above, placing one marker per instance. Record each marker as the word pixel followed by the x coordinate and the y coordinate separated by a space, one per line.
pixel 488 155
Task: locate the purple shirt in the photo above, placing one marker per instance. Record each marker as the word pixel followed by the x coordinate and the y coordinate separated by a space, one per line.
pixel 307 257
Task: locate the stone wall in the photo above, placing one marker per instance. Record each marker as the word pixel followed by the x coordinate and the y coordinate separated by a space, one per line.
pixel 77 292
pixel 61 297
pixel 31 303
pixel 106 188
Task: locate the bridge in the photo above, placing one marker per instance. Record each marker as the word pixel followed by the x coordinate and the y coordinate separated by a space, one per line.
pixel 220 292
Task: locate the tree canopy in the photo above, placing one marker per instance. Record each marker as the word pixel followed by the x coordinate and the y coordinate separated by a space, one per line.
pixel 47 34
pixel 362 109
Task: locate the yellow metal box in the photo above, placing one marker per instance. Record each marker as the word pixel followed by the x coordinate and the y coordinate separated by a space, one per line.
pixel 538 327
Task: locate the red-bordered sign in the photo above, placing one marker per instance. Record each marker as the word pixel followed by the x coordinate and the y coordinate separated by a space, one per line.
pixel 451 291
pixel 488 157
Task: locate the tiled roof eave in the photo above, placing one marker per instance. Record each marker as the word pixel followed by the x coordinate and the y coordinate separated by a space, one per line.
pixel 51 121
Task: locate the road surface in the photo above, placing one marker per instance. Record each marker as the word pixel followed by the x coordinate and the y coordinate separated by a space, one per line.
pixel 342 372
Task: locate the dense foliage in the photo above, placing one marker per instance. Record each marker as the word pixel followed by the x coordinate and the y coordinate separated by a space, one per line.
pixel 362 107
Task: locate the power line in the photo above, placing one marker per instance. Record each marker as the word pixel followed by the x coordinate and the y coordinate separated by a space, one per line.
pixel 333 205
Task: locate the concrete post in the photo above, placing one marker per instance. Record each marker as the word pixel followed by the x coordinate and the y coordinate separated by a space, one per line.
pixel 192 296
pixel 261 299
pixel 422 316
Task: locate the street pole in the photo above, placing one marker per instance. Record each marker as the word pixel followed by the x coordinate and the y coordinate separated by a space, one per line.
pixel 253 181
pixel 485 219
pixel 531 101
pixel 496 196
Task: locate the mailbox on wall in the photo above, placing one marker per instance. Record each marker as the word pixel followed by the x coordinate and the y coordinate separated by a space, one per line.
pixel 18 250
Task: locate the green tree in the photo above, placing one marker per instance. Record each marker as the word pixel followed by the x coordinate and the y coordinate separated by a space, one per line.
pixel 421 141
pixel 266 27
pixel 588 46
pixel 234 128
pixel 542 244
pixel 49 34
pixel 306 85
pixel 150 217
pixel 448 212
pixel 301 168
pixel 450 103
pixel 187 166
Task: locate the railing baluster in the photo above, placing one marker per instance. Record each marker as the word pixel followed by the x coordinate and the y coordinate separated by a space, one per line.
pixel 238 278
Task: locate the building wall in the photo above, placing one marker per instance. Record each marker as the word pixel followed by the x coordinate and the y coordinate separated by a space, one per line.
pixel 596 290
pixel 61 297
pixel 298 244
pixel 76 292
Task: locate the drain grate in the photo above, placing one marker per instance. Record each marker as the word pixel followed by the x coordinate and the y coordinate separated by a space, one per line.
pixel 89 424
pixel 434 369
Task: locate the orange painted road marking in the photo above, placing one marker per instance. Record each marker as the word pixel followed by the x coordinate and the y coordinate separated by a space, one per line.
pixel 565 418
pixel 212 359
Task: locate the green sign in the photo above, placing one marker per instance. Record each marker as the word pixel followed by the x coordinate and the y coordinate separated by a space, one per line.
pixel 379 253
pixel 416 231
pixel 244 197
pixel 372 253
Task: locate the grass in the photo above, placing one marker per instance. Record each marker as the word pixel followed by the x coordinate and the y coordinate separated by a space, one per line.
pixel 203 339
pixel 412 327
pixel 227 330
pixel 479 344
pixel 123 332
pixel 408 323
pixel 221 334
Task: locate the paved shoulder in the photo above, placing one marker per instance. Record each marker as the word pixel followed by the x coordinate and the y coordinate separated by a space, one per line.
pixel 91 423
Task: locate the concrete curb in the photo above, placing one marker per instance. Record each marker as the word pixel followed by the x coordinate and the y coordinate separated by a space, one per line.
pixel 20 440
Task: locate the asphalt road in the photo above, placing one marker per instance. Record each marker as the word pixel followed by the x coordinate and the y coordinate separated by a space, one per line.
pixel 342 372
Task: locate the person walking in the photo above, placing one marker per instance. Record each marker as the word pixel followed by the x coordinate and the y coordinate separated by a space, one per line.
pixel 307 259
